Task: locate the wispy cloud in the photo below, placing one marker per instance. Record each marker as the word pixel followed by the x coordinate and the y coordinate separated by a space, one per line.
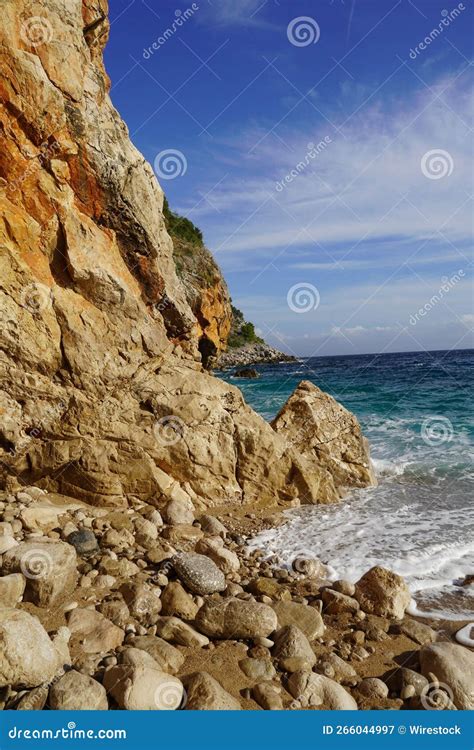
pixel 367 185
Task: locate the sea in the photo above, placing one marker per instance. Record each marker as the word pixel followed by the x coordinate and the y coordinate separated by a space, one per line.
pixel 416 410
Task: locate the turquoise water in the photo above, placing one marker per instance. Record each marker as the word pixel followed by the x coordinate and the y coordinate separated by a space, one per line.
pixel 416 411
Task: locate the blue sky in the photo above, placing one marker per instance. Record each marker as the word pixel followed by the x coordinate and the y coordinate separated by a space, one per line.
pixel 329 248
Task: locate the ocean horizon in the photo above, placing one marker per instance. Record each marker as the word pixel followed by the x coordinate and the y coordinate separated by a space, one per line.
pixel 414 408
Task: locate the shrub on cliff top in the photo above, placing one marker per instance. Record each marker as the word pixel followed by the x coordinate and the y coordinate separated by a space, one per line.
pixel 181 227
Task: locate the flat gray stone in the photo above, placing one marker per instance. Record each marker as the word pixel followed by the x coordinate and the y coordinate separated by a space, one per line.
pixel 198 573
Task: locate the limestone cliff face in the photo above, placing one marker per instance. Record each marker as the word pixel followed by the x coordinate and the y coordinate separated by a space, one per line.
pixel 103 396
pixel 207 294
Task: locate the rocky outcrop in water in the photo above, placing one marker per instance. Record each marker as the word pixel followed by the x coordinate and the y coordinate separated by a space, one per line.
pixel 252 354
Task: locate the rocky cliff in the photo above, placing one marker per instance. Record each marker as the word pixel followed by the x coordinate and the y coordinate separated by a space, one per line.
pixel 205 287
pixel 103 395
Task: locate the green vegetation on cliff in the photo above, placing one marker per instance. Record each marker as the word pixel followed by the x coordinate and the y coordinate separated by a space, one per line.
pixel 197 269
pixel 242 332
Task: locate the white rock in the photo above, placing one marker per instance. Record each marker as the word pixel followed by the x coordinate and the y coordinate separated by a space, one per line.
pixel 140 688
pixel 28 657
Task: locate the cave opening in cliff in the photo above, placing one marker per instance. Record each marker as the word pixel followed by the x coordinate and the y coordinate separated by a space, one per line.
pixel 208 351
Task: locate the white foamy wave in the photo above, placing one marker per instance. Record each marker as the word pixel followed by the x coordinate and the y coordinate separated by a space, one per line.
pixel 386 468
pixel 409 533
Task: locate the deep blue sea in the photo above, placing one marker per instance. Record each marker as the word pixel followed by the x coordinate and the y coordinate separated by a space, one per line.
pixel 416 410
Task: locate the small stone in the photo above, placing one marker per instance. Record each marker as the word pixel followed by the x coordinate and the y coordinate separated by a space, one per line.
pixel 292 649
pixel 224 558
pixel 337 603
pixel 116 610
pixel 331 665
pixel 318 690
pixel 407 692
pixel 267 696
pixel 143 601
pixel 235 618
pixel 177 602
pixel 181 534
pixel 174 630
pixel 257 669
pixel 269 587
pixel 417 631
pixel 198 573
pixel 179 511
pixel 212 525
pixel 145 531
pixel 266 642
pixel 12 588
pixel 344 587
pixel 84 541
pixel 372 687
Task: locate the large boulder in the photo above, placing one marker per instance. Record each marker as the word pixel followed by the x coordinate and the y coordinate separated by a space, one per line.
pixel 235 618
pixel 49 568
pixel 306 618
pixel 142 688
pixel 316 690
pixel 224 558
pixel 292 649
pixel 453 666
pixel 75 691
pixel 28 657
pixel 92 633
pixel 382 592
pixel 323 431
pixel 168 658
pixel 204 693
pixel 12 588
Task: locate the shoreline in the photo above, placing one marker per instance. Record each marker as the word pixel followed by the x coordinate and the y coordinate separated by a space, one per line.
pixel 294 624
pixel 256 521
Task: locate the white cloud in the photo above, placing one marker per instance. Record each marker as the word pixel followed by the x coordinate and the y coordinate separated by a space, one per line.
pixel 367 185
pixel 236 12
